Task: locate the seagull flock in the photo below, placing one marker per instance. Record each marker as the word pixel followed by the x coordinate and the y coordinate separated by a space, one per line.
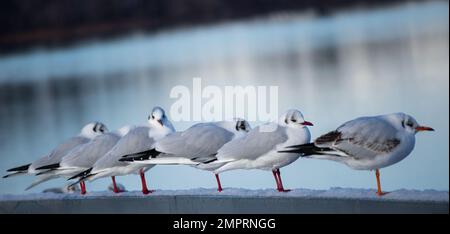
pixel 365 143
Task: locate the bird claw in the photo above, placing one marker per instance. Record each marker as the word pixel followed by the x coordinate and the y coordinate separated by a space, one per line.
pixel 284 190
pixel 119 191
pixel 147 191
pixel 382 193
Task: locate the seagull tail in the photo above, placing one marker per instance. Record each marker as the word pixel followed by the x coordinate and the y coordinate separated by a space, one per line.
pixel 41 179
pixel 20 168
pixel 82 174
pixel 14 174
pixel 205 160
pixel 166 161
pixel 17 170
pixel 45 172
pixel 215 161
pixel 141 156
pixel 82 178
pixel 50 166
pixel 306 150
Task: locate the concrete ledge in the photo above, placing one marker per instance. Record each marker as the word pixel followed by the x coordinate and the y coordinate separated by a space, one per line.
pixel 163 203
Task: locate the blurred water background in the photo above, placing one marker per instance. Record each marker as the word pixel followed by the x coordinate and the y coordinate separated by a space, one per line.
pixel 334 68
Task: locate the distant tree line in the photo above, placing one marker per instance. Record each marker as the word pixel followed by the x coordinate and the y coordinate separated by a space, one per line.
pixel 25 22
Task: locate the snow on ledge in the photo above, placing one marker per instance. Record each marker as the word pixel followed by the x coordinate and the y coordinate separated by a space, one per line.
pixel 335 192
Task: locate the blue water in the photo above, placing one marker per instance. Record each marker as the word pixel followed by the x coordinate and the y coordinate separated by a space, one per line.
pixel 335 68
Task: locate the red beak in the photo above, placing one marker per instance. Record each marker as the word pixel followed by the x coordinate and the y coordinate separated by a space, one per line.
pixel 424 128
pixel 307 123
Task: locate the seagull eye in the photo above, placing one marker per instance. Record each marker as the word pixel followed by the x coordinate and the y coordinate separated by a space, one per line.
pixel 293 120
pixel 410 124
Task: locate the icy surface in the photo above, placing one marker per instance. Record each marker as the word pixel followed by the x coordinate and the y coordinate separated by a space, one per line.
pixel 340 193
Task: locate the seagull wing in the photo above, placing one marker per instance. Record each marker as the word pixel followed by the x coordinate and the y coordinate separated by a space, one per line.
pixel 89 153
pixel 361 138
pixel 253 145
pixel 200 140
pixel 136 140
pixel 60 151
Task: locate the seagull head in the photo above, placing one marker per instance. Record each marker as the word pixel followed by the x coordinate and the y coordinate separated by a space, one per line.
pixel 235 126
pixel 158 119
pixel 242 125
pixel 93 129
pixel 294 118
pixel 409 124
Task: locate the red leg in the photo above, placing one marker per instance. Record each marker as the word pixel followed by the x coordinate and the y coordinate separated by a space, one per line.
pixel 144 183
pixel 281 182
pixel 219 186
pixel 116 190
pixel 276 179
pixel 379 192
pixel 83 188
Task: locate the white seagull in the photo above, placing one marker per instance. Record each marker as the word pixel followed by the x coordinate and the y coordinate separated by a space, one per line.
pixel 258 149
pixel 88 132
pixel 366 143
pixel 194 146
pixel 138 139
pixel 84 156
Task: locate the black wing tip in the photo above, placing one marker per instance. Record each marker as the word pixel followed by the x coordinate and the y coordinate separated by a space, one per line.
pixel 301 145
pixel 153 153
pixel 50 166
pixel 298 151
pixel 82 178
pixel 210 161
pixel 19 168
pixel 81 174
pixel 140 156
pixel 127 159
pixel 304 150
pixel 135 158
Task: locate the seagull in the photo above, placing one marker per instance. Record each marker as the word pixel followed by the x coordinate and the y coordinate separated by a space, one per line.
pixel 84 156
pixel 194 146
pixel 138 139
pixel 258 149
pixel 366 143
pixel 88 132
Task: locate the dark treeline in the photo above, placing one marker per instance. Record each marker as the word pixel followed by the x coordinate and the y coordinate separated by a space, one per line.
pixel 27 22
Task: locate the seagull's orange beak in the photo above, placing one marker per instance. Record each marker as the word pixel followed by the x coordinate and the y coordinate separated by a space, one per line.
pixel 423 128
pixel 307 123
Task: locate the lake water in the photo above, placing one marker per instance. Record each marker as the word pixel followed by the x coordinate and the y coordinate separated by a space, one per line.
pixel 335 68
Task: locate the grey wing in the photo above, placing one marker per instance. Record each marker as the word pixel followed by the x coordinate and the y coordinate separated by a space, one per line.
pixel 364 137
pixel 87 155
pixel 136 140
pixel 60 151
pixel 253 145
pixel 201 140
